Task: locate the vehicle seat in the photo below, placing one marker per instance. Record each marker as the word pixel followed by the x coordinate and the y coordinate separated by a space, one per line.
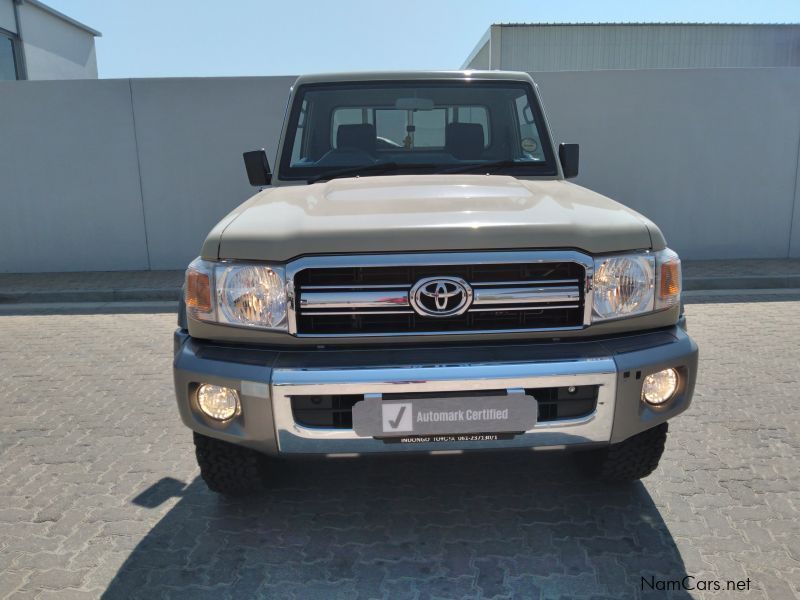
pixel 464 140
pixel 357 137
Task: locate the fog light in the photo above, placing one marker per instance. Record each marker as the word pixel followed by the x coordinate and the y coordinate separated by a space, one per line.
pixel 660 387
pixel 219 403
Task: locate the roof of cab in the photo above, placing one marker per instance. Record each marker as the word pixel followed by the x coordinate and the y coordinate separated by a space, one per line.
pixel 411 76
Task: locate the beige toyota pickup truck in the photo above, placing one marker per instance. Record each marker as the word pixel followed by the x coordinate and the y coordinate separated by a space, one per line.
pixel 417 275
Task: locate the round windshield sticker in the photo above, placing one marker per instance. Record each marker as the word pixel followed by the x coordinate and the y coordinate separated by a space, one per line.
pixel 529 145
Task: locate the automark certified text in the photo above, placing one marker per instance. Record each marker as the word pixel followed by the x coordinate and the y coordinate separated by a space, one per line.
pixel 490 414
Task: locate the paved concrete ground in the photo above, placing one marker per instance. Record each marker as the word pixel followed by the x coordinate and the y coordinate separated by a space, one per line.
pixel 99 491
pixel 117 286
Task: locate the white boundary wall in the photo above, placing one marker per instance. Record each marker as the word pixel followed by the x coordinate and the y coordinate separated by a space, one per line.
pixel 131 174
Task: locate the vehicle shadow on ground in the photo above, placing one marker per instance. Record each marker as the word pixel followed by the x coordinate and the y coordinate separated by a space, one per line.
pixel 510 525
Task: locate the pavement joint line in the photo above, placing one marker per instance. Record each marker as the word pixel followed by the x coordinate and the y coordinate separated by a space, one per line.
pixel 743 281
pixel 47 307
pixel 742 292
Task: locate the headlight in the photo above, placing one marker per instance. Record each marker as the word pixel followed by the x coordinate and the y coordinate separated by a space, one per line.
pixel 245 294
pixel 251 295
pixel 633 284
pixel 623 286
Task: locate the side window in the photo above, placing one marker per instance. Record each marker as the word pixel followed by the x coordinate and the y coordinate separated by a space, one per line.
pixel 429 128
pixel 471 114
pixel 348 116
pixel 529 141
pixel 390 125
pixel 429 125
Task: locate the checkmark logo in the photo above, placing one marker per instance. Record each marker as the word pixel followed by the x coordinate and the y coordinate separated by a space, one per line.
pixel 396 422
pixel 397 417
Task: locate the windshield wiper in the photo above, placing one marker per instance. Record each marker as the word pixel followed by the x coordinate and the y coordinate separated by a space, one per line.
pixel 380 167
pixel 498 164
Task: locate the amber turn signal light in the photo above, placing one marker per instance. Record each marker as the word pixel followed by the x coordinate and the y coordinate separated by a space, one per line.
pixel 670 280
pixel 198 291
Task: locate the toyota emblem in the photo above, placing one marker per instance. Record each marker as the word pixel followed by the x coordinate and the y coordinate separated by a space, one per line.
pixel 440 296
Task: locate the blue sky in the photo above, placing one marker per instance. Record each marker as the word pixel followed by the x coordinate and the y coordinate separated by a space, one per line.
pixel 182 38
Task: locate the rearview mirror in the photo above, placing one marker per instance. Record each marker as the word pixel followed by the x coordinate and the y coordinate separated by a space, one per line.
pixel 257 167
pixel 568 155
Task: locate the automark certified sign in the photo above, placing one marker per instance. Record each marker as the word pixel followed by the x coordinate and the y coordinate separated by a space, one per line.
pixel 374 417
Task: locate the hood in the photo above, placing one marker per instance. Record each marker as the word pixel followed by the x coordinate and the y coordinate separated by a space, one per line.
pixel 415 213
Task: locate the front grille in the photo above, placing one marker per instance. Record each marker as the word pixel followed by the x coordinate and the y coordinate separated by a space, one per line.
pixel 377 299
pixel 336 411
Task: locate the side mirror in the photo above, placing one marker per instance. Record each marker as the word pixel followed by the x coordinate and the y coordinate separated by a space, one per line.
pixel 257 166
pixel 568 155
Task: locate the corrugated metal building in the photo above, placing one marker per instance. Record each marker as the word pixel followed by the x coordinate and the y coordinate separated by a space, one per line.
pixel 594 46
pixel 38 42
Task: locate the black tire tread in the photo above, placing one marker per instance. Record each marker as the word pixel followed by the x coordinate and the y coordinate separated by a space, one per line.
pixel 635 458
pixel 228 469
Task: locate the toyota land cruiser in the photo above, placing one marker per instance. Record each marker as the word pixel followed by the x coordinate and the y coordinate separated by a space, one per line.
pixel 417 275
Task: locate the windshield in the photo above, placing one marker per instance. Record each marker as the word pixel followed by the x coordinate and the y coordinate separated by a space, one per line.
pixel 336 130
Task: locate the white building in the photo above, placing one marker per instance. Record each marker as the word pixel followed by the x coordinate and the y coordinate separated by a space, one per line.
pixel 540 47
pixel 38 42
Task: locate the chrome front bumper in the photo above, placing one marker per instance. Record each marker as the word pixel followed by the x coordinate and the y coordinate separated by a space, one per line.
pixel 294 438
pixel 267 379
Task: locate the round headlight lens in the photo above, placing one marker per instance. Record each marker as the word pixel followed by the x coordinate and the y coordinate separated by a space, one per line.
pixel 218 402
pixel 623 286
pixel 660 387
pixel 252 295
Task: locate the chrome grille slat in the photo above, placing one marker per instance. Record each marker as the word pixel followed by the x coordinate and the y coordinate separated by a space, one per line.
pixel 540 282
pixel 507 308
pixel 526 295
pixel 411 312
pixel 359 287
pixel 358 312
pixel 354 299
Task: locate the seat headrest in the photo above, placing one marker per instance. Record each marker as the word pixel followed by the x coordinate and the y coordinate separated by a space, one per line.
pixel 464 140
pixel 361 136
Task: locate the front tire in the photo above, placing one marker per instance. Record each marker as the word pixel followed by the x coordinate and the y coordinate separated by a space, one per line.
pixel 633 459
pixel 229 469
